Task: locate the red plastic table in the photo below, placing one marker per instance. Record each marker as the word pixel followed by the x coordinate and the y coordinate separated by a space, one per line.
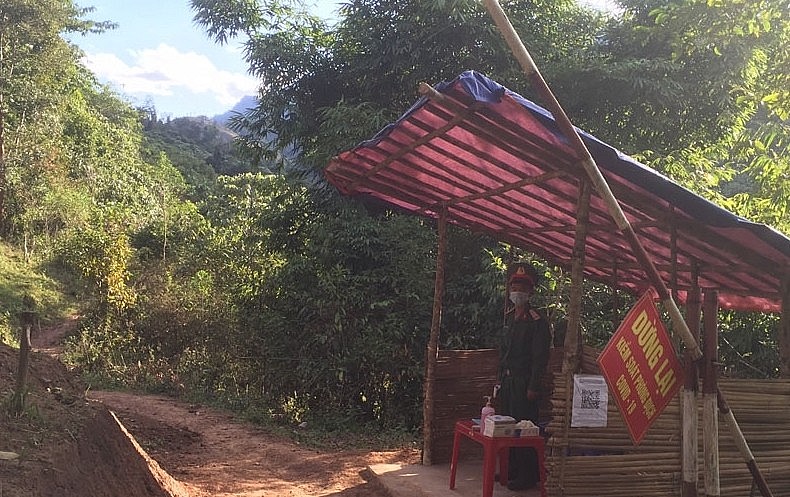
pixel 493 447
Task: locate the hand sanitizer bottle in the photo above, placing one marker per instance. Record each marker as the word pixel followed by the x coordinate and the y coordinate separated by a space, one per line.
pixel 485 412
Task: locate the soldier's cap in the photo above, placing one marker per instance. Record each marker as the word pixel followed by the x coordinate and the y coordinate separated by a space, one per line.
pixel 523 272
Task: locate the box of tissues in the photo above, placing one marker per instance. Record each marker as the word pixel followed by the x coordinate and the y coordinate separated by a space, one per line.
pixel 526 428
pixel 497 425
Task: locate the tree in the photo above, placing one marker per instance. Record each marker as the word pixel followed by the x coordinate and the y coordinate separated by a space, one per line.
pixel 697 90
pixel 318 274
pixel 36 67
pixel 373 60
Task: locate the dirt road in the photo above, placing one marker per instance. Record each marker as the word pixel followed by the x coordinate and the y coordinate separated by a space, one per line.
pixel 214 455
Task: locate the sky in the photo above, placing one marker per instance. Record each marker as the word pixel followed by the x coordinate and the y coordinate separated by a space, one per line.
pixel 158 55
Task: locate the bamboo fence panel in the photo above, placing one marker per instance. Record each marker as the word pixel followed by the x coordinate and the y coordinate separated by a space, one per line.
pixel 463 377
pixel 762 408
pixel 604 461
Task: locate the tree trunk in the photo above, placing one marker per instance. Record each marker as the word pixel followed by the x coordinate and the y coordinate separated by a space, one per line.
pixel 3 182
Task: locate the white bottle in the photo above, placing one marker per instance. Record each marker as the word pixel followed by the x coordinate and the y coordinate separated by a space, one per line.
pixel 487 410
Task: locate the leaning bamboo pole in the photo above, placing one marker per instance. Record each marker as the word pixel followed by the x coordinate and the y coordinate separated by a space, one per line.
pixel 740 442
pixel 602 187
pixel 433 343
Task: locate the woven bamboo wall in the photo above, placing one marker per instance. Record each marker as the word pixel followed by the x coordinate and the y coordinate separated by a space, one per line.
pixel 762 408
pixel 463 377
pixel 618 469
pixel 653 469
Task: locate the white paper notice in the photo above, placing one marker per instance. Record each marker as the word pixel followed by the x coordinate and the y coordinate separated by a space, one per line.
pixel 590 400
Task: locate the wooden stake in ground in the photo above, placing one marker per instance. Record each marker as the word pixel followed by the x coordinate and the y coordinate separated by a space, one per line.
pixel 784 328
pixel 20 392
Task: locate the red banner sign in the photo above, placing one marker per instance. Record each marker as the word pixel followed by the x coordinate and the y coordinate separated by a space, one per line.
pixel 641 367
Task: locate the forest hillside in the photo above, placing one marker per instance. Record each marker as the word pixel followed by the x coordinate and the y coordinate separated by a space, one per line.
pixel 221 267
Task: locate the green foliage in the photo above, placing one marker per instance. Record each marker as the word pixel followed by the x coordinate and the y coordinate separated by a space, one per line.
pixel 20 280
pixel 101 257
pixel 280 300
pixel 343 322
pixel 699 89
pixel 373 60
pixel 748 344
pixel 197 147
pixel 36 68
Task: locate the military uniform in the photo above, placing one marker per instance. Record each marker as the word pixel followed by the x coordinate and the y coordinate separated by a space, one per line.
pixel 523 357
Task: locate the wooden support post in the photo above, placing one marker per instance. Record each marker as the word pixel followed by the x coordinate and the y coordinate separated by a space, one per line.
pixel 433 344
pixel 615 296
pixel 673 250
pixel 784 329
pixel 690 420
pixel 573 339
pixel 573 344
pixel 710 418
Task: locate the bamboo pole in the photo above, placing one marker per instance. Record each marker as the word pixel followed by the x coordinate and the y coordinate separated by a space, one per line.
pixel 673 250
pixel 602 187
pixel 615 295
pixel 594 173
pixel 743 448
pixel 573 351
pixel 710 418
pixel 689 398
pixel 433 343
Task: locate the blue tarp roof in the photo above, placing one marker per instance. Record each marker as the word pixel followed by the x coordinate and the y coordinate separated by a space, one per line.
pixel 499 164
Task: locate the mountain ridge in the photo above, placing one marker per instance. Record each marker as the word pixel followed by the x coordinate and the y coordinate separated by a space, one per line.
pixel 246 103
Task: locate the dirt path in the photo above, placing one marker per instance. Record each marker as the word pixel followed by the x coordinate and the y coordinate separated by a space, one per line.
pixel 214 455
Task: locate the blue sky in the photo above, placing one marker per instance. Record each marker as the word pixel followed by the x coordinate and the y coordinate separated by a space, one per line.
pixel 158 55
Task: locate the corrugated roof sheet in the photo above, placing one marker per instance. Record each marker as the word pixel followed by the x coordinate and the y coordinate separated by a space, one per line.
pixel 499 164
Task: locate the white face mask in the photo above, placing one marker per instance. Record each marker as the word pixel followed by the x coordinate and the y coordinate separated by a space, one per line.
pixel 519 298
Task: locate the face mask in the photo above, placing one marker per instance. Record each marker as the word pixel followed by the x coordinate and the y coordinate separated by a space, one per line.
pixel 519 298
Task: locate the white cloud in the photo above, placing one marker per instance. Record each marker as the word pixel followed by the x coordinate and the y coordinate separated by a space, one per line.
pixel 165 71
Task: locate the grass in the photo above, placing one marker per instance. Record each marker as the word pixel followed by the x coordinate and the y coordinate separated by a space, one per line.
pixel 20 282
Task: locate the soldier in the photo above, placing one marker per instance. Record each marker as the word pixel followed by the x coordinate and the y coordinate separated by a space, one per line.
pixel 524 354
